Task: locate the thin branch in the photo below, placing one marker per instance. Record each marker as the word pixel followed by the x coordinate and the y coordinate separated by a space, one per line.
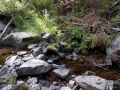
pixel 115 29
pixel 2 34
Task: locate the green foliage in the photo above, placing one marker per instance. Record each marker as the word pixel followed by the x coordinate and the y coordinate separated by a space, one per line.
pixel 40 4
pixel 8 7
pixel 35 24
pixel 80 33
pixel 26 15
pixel 116 20
pixel 85 44
pixel 78 11
pixel 76 32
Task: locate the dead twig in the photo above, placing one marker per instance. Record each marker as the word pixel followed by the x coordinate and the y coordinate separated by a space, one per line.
pixel 2 34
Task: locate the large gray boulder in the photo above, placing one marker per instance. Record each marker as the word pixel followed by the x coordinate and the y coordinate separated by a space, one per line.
pixel 94 83
pixel 33 67
pixel 20 39
pixel 114 48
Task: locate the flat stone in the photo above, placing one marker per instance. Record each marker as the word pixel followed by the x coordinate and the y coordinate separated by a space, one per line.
pixel 22 53
pixel 33 67
pixel 61 72
pixel 91 82
pixel 65 88
pixel 10 60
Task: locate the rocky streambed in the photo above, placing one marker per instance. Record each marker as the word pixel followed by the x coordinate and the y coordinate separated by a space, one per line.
pixel 45 64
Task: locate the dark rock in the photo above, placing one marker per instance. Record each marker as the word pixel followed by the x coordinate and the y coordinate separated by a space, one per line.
pixel 33 67
pixel 44 82
pixel 20 39
pixel 61 55
pixel 116 85
pixel 67 49
pixel 37 51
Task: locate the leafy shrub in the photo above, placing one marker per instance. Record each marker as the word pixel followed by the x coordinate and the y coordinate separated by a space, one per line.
pixel 76 32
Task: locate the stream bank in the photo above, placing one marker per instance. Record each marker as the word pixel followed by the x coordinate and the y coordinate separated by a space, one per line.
pixel 42 66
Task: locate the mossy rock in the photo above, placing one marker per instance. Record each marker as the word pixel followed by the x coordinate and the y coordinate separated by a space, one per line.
pixel 84 51
pixel 53 49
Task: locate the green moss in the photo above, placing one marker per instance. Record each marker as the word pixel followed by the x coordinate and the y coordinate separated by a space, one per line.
pixel 84 51
pixel 64 77
pixel 53 48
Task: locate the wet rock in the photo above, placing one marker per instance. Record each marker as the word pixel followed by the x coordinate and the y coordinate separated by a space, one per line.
pixel 41 57
pixel 44 82
pixel 37 51
pixel 21 53
pixel 65 88
pixel 91 82
pixel 116 85
pixel 61 55
pixel 20 39
pixel 61 72
pixel 32 81
pixel 33 67
pixel 22 86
